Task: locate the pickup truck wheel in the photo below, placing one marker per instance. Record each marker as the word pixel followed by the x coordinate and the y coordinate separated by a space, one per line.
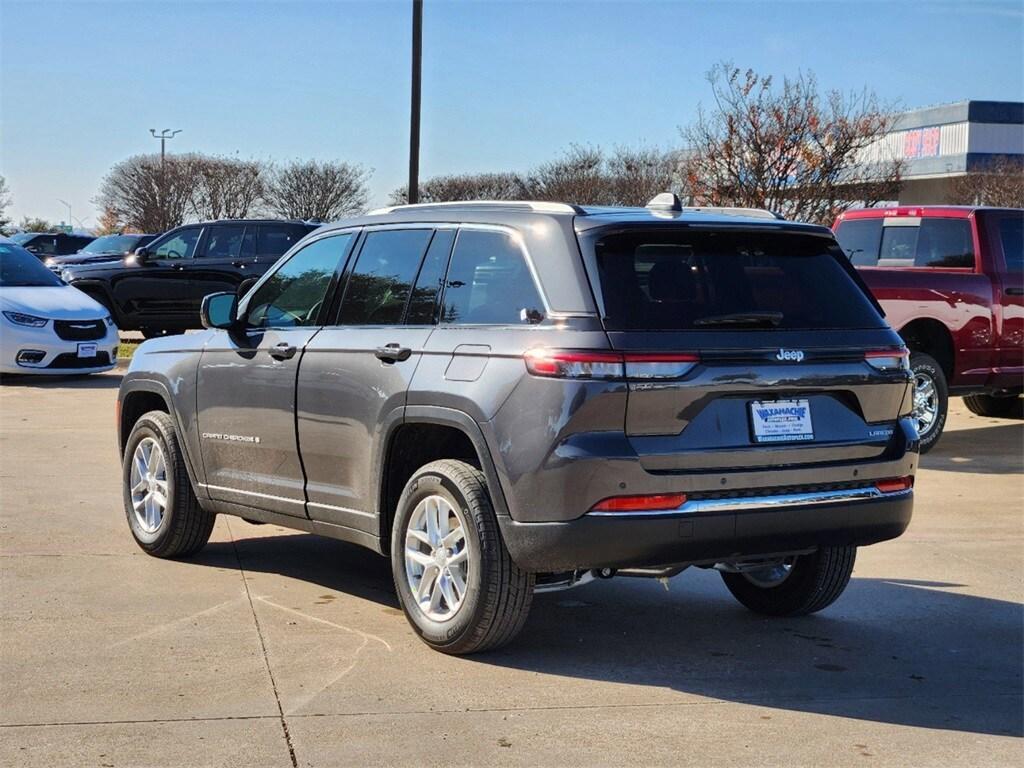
pixel 459 588
pixel 163 513
pixel 802 585
pixel 1006 407
pixel 931 399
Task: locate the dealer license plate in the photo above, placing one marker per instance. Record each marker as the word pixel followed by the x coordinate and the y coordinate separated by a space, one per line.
pixel 781 421
pixel 87 350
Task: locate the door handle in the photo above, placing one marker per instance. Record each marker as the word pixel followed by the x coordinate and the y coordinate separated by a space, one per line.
pixel 1014 291
pixel 237 263
pixel 392 353
pixel 283 351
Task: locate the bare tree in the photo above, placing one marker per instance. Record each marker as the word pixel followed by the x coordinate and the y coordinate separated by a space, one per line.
pixel 149 195
pixel 317 191
pixel 789 148
pixel 637 175
pixel 35 224
pixel 227 188
pixel 467 186
pixel 578 176
pixel 5 201
pixel 1000 183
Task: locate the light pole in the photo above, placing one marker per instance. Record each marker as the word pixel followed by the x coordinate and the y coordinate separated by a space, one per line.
pixel 64 202
pixel 164 135
pixel 414 118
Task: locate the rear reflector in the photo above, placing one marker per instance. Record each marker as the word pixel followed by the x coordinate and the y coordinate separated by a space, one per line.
pixel 640 503
pixel 888 359
pixel 587 364
pixel 895 485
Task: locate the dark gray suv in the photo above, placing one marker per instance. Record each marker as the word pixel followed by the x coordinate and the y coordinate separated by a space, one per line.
pixel 507 398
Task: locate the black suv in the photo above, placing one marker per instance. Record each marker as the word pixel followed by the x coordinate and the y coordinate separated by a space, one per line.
pixel 44 244
pixel 513 397
pixel 160 288
pixel 106 248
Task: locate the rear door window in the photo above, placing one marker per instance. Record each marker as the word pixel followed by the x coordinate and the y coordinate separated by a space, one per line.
pixel 860 239
pixel 381 280
pixel 736 281
pixel 275 239
pixel 489 282
pixel 225 241
pixel 430 281
pixel 944 243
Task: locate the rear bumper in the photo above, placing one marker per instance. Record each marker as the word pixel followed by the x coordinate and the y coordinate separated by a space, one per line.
pixel 742 528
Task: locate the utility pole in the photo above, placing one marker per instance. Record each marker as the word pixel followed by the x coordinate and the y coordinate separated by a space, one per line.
pixel 414 118
pixel 164 135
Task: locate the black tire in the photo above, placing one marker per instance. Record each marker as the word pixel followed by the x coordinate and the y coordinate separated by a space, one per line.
pixel 815 581
pixel 185 526
pixel 498 593
pixel 925 366
pixel 1005 407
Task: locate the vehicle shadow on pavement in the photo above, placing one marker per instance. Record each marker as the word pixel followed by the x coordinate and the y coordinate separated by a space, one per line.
pixel 993 449
pixel 904 652
pixel 109 380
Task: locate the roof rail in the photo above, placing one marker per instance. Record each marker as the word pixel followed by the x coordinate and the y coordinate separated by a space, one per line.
pixel 523 205
pixel 669 201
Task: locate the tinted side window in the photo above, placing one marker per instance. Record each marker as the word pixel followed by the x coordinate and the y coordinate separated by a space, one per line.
pixel 275 239
pixel 225 241
pixel 249 242
pixel 180 245
pixel 944 243
pixel 430 280
pixel 859 239
pixel 43 244
pixel 489 283
pixel 899 245
pixel 292 296
pixel 1011 235
pixel 382 278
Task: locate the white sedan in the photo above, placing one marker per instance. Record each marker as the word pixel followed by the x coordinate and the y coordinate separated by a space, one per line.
pixel 46 326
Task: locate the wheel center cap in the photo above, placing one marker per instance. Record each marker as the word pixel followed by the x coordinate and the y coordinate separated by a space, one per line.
pixel 440 556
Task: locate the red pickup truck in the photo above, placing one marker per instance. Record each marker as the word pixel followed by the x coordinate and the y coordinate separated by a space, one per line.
pixel 951 281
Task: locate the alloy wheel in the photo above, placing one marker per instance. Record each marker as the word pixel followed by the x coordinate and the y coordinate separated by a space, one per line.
pixel 149 485
pixel 926 402
pixel 769 576
pixel 437 558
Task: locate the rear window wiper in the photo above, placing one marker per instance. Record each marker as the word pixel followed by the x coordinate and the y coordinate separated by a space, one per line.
pixel 742 318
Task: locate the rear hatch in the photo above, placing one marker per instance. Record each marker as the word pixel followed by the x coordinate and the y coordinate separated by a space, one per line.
pixel 746 347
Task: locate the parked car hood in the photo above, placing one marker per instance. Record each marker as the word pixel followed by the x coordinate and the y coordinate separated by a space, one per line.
pixel 74 259
pixel 59 302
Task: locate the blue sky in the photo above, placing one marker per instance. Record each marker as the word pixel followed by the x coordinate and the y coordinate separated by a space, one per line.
pixel 505 85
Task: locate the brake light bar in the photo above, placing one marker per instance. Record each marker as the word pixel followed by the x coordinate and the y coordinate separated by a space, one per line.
pixel 594 364
pixel 888 359
pixel 895 484
pixel 648 503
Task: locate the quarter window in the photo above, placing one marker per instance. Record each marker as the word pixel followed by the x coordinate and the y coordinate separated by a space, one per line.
pixel 381 280
pixel 489 283
pixel 293 295
pixel 1011 235
pixel 180 245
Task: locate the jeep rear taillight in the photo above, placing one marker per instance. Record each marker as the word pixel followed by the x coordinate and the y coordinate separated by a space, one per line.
pixel 888 359
pixel 587 364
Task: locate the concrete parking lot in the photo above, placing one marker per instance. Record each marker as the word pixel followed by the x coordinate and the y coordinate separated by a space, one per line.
pixel 274 648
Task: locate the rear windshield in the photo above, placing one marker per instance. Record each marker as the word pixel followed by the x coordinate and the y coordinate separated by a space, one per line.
pixel 689 280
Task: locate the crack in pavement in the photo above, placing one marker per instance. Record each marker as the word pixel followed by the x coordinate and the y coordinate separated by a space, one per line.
pixel 263 647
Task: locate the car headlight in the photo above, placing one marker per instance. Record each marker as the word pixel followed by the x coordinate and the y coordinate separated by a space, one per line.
pixel 66 275
pixel 50 262
pixel 20 318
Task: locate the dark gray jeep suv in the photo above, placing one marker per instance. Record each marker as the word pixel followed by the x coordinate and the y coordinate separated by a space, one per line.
pixel 513 397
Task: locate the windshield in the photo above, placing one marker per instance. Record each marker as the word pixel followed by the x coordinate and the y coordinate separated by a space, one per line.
pixel 23 237
pixel 20 269
pixel 673 280
pixel 112 244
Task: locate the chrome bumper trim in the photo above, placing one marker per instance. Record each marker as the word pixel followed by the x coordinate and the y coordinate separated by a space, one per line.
pixel 763 503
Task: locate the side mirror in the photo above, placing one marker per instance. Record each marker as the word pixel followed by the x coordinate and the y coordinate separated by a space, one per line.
pixel 141 255
pixel 219 310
